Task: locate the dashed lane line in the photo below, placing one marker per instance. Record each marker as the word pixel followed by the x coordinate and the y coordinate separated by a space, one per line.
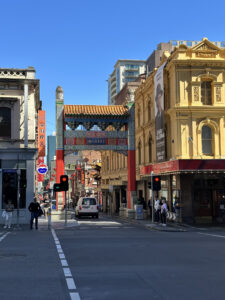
pixel 71 284
pixel 74 296
pixel 66 270
pixel 214 235
pixel 4 236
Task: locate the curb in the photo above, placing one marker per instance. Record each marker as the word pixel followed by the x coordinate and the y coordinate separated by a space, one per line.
pixel 151 226
pixel 165 229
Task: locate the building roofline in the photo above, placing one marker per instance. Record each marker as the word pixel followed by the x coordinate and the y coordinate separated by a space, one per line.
pixel 30 69
pixel 130 60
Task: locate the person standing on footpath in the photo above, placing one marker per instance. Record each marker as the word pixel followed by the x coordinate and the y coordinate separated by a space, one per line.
pixel 9 210
pixel 35 210
pixel 157 207
pixel 164 211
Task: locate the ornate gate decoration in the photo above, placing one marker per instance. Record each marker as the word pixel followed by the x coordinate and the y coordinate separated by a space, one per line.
pixel 71 140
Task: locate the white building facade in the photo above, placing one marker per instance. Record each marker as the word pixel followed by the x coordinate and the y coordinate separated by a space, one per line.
pixel 19 105
pixel 124 71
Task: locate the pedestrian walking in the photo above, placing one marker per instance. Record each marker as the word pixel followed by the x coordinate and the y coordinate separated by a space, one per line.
pixel 35 211
pixel 8 214
pixel 164 211
pixel 157 207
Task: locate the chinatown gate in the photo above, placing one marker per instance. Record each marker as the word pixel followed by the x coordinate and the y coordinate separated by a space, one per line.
pixel 69 139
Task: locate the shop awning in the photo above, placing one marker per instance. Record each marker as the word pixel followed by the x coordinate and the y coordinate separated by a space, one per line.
pixel 184 166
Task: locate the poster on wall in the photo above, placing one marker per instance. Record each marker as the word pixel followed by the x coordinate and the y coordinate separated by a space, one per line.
pixel 159 114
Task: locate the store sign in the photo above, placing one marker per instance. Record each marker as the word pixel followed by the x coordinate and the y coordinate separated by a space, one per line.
pixel 184 165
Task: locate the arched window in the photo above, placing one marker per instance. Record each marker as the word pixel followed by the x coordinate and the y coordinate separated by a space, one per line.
pixel 107 163
pixel 139 116
pixel 149 111
pixel 139 153
pixel 150 149
pixel 5 122
pixel 207 139
pixel 206 92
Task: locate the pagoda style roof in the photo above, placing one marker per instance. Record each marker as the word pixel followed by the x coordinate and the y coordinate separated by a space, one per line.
pixel 95 110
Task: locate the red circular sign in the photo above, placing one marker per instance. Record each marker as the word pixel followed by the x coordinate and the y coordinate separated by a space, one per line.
pixel 42 168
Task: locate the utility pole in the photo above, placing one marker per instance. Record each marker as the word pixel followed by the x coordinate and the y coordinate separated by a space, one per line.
pixel 152 173
pixel 65 210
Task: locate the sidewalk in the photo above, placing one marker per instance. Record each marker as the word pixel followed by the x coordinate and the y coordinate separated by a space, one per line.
pixel 30 266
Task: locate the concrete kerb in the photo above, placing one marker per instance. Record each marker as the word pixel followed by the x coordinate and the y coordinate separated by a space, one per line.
pixel 153 226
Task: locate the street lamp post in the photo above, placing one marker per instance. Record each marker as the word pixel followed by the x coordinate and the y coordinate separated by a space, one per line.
pixel 152 196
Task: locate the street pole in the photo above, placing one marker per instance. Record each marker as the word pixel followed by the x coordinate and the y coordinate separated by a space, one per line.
pixel 18 198
pixel 65 210
pixel 152 196
pixel 50 214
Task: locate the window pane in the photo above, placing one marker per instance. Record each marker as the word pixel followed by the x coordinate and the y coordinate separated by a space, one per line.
pixel 206 92
pixel 13 164
pixel 9 187
pixel 207 147
pixel 5 122
pixel 23 179
pixel 89 201
pixel 206 140
pixel 206 132
pixel 9 164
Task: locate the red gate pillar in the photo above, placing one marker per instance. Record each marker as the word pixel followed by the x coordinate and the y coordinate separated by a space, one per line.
pixel 131 164
pixel 60 198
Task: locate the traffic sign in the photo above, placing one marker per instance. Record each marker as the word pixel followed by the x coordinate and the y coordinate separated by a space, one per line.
pixel 42 168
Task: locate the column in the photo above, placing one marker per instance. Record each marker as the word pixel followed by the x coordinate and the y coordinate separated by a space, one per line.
pixel 131 164
pixel 60 197
pixel 25 115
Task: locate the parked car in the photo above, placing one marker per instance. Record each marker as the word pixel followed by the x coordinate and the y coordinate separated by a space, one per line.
pixel 86 206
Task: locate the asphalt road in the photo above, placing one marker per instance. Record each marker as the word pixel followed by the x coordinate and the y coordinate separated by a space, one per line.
pixel 107 259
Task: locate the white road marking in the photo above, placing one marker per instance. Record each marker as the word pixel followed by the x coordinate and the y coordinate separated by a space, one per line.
pixel 67 273
pixel 71 284
pixel 64 263
pixel 61 256
pixel 98 223
pixel 74 296
pixel 215 235
pixel 4 235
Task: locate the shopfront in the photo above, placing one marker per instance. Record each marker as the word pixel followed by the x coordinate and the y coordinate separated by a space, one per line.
pixel 198 186
pixel 17 182
pixel 209 197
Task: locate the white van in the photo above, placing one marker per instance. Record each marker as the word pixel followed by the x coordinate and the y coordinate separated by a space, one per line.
pixel 86 206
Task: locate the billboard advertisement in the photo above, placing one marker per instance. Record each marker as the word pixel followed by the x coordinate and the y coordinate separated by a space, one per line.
pixel 159 114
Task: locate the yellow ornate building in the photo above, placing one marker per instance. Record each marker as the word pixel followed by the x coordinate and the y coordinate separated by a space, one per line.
pixel 189 148
pixel 180 135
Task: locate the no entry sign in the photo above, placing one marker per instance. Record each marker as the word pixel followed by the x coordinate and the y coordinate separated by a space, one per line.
pixel 42 168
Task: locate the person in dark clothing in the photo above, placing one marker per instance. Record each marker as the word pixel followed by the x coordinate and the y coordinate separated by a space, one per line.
pixel 35 209
pixel 141 201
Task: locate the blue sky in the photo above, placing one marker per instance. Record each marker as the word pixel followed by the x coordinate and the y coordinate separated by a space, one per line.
pixel 75 44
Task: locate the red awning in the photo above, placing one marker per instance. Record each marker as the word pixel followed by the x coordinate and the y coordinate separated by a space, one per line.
pixel 184 165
